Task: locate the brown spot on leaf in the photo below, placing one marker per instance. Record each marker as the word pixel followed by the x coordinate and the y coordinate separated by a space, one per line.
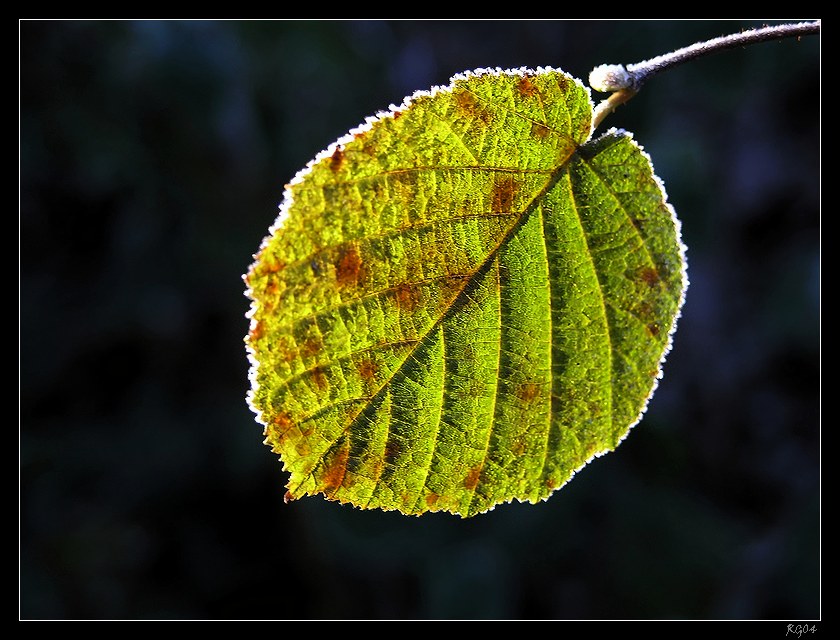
pixel 562 83
pixel 464 100
pixel 431 499
pixel 363 138
pixel 279 427
pixel 404 178
pixel 319 377
pixel 468 104
pixel 267 263
pixel 284 349
pixel 528 391
pixel 337 159
pixel 472 478
pixel 271 288
pixel 653 329
pixel 526 87
pixel 407 297
pixel 282 421
pixel 349 269
pixel 335 468
pixel 393 449
pixel 539 130
pixel 310 347
pixel 504 190
pixel 649 276
pixel 257 331
pixel 397 113
pixel 288 497
pixel 367 369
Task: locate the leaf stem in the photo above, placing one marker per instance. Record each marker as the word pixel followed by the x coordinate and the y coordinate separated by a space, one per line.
pixel 625 82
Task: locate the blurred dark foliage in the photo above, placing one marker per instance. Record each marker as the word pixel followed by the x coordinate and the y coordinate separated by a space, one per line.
pixel 153 156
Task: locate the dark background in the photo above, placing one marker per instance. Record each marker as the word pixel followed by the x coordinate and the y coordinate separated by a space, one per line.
pixel 153 156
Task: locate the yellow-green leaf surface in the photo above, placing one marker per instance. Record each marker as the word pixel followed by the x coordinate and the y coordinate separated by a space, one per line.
pixel 464 300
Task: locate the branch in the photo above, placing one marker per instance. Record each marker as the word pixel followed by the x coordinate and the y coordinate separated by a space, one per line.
pixel 625 82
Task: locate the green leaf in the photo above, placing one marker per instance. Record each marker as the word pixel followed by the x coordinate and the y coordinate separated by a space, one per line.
pixel 464 300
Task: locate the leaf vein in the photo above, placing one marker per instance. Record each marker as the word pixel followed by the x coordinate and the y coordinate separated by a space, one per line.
pixel 495 406
pixel 602 296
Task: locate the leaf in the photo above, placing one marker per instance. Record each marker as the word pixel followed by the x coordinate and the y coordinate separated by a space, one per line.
pixel 464 300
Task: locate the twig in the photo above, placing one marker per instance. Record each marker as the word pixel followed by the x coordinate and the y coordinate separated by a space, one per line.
pixel 625 82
